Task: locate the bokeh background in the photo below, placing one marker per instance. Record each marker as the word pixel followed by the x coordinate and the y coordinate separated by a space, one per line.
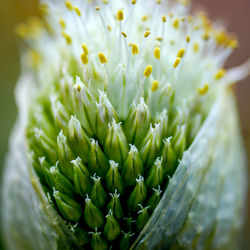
pixel 235 14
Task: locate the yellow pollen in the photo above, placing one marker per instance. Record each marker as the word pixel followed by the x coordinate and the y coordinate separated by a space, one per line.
pixel 97 8
pixel 68 5
pixel 176 23
pixel 133 2
pixel 78 12
pixel 177 62
pixel 144 18
pixel 233 44
pixel 148 71
pixel 158 1
pixel 187 38
pixel 147 33
pixel 102 58
pixel 105 1
pixel 124 34
pixel 62 23
pixel 157 53
pixel 206 36
pixel 67 38
pixel 183 19
pixel 203 90
pixel 164 19
pixel 120 15
pixel 196 47
pixel 84 58
pixel 219 74
pixel 85 48
pixel 135 49
pixel 181 53
pixel 109 28
pixel 155 85
pixel 159 39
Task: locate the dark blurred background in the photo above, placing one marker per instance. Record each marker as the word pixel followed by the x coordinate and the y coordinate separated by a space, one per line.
pixel 235 13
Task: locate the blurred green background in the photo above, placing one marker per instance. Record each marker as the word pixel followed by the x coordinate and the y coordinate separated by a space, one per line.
pixel 234 13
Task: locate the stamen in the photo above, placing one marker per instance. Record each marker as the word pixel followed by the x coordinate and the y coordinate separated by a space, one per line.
pixel 181 53
pixel 177 62
pixel 187 38
pixel 155 85
pixel 120 15
pixel 147 33
pixel 157 53
pixel 135 49
pixel 102 58
pixel 133 2
pixel 148 71
pixel 68 5
pixel 67 38
pixel 84 58
pixel 219 74
pixel 176 23
pixel 62 23
pixel 85 48
pixel 203 90
pixel 78 12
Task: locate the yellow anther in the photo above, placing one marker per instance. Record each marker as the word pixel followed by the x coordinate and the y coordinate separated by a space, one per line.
pixel 190 18
pixel 159 39
pixel 148 71
pixel 183 19
pixel 78 12
pixel 171 15
pixel 35 59
pixel 233 44
pixel 133 2
pixel 187 38
pixel 164 19
pixel 144 18
pixel 176 23
pixel 105 1
pixel 124 34
pixel 62 23
pixel 219 74
pixel 97 8
pixel 135 49
pixel 67 38
pixel 147 33
pixel 158 1
pixel 120 15
pixel 109 28
pixel 177 62
pixel 85 48
pixel 196 47
pixel 181 53
pixel 68 5
pixel 206 36
pixel 157 53
pixel 203 90
pixel 102 58
pixel 84 58
pixel 155 85
pixel 21 30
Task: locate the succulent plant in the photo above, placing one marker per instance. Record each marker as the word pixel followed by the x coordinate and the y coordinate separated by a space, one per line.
pixel 127 134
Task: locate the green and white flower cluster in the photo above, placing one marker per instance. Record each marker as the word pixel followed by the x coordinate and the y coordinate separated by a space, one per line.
pixel 121 95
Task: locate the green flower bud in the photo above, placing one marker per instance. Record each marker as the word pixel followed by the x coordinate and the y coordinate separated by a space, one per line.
pixel 98 194
pixel 92 215
pixel 78 139
pixel 114 179
pixel 143 217
pixel 65 156
pixel 97 243
pixel 138 195
pixel 61 183
pixel 126 240
pixel 115 145
pixel 69 208
pixel 135 121
pixel 115 205
pixel 81 177
pixel 132 167
pixel 98 162
pixel 111 228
